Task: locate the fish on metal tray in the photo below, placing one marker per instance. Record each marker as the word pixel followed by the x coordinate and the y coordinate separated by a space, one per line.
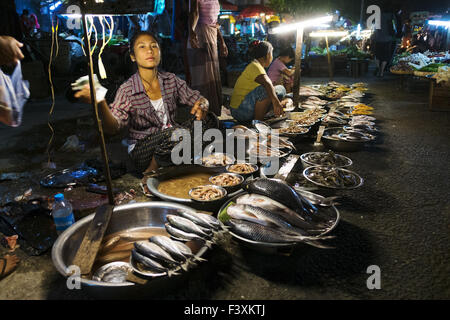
pixel 150 264
pixel 260 233
pixel 178 250
pixel 281 192
pixel 202 220
pixel 152 250
pixel 178 234
pixel 295 219
pixel 263 217
pixel 188 226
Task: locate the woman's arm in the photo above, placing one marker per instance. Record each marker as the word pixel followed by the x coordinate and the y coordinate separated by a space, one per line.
pixel 187 96
pixel 264 80
pixel 288 72
pixel 193 20
pixel 109 121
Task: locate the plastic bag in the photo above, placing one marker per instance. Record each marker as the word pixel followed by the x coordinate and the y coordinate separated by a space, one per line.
pixel 14 93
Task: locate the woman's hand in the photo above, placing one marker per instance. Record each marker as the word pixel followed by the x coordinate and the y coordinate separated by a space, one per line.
pixel 10 49
pixel 278 108
pixel 200 109
pixel 223 50
pixel 84 95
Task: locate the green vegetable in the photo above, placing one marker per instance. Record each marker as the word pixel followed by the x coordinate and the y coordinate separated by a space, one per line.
pixel 223 216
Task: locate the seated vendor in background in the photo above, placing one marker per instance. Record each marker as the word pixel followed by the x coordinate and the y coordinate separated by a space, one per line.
pixel 254 94
pixel 278 73
pixel 146 103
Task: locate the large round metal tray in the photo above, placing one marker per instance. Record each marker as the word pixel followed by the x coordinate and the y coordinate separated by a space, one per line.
pixel 268 245
pixel 125 217
pixel 154 181
pixel 307 163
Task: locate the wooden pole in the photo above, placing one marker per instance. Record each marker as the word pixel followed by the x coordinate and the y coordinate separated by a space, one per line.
pixel 107 173
pixel 298 65
pixel 330 67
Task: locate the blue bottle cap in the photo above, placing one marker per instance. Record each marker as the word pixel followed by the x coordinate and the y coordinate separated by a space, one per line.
pixel 59 197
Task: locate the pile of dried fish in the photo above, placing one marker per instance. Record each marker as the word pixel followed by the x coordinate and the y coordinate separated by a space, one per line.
pixel 333 177
pixel 273 212
pixel 217 159
pixel 293 128
pixel 189 226
pixel 326 159
pixel 356 136
pixel 160 254
pixel 242 168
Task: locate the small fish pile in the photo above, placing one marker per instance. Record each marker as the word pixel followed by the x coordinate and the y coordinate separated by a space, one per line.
pixel 226 180
pixel 333 177
pixel 241 168
pixel 293 128
pixel 326 159
pixel 207 193
pixel 217 159
pixel 274 212
pixel 310 92
pixel 160 254
pixel 194 226
pixel 361 109
pixel 354 135
pixel 308 117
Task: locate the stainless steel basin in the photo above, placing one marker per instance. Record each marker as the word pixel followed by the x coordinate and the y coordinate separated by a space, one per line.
pixel 125 217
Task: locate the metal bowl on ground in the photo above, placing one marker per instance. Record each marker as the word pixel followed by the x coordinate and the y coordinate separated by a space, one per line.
pixel 337 144
pixel 230 189
pixel 345 161
pixel 358 180
pixel 153 183
pixel 268 247
pixel 130 217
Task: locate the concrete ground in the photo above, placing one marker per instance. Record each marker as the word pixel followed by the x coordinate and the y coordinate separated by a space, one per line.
pixel 399 220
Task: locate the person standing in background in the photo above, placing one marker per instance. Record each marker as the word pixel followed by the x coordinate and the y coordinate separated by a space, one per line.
pixel 203 53
pixel 384 38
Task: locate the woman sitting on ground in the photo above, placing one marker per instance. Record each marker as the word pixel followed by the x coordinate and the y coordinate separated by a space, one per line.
pixel 254 94
pixel 278 73
pixel 146 103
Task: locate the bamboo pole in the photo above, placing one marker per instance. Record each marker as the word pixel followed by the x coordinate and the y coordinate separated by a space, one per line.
pixel 107 172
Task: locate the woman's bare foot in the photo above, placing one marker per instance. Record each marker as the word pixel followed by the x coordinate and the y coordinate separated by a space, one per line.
pixel 152 167
pixel 7 265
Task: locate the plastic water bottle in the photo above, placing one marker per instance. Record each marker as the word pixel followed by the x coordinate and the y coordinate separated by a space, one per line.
pixel 62 213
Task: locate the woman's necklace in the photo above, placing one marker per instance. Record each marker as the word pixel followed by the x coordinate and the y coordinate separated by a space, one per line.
pixel 147 89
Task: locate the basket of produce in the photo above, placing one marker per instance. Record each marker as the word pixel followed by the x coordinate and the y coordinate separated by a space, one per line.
pixel 402 68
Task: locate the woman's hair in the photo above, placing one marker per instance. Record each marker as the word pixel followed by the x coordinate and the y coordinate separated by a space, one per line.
pixel 141 33
pixel 259 49
pixel 287 52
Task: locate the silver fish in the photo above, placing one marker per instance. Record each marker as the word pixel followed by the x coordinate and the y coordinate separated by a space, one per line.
pixel 176 249
pixel 201 219
pixel 263 217
pixel 288 215
pixel 260 233
pixel 184 236
pixel 152 250
pixel 188 226
pixel 151 264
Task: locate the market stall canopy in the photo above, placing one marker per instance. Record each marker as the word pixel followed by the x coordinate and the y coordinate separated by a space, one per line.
pixel 227 6
pixel 256 11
